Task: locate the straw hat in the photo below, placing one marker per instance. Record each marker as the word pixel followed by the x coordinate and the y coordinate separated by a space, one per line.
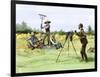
pixel 47 21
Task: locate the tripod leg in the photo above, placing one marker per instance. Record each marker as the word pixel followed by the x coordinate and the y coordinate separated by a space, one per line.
pixel 61 51
pixel 74 48
pixel 68 47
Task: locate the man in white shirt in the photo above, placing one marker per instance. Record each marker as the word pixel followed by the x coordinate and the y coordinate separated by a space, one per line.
pixel 47 31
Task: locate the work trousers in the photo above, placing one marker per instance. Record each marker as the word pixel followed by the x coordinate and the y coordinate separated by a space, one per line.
pixel 83 52
pixel 47 35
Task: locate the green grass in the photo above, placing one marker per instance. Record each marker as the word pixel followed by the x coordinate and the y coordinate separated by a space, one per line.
pixel 45 59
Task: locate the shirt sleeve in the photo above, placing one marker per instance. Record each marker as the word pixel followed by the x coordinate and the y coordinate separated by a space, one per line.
pixel 29 38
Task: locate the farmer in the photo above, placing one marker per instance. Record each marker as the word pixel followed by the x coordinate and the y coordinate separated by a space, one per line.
pixel 84 42
pixel 47 32
pixel 33 40
pixel 54 42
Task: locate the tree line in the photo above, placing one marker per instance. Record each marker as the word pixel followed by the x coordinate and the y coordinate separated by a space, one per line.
pixel 24 28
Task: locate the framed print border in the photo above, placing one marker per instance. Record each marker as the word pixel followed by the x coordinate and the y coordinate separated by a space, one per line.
pixel 13 36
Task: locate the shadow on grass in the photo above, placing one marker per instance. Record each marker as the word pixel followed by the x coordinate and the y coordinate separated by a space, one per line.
pixel 90 59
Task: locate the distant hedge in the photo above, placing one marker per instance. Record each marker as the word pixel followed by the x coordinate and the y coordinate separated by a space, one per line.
pixel 23 28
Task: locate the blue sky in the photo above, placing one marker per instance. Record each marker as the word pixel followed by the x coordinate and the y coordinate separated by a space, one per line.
pixel 65 18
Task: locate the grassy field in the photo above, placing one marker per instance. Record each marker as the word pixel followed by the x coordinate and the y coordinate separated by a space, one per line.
pixel 45 59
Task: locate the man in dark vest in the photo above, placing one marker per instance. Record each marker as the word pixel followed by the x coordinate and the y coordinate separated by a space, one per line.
pixel 47 31
pixel 84 42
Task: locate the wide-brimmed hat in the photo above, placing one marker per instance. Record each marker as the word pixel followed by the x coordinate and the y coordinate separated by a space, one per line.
pixel 47 21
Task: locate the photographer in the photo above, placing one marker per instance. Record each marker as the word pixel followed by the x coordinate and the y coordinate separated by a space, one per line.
pixel 84 42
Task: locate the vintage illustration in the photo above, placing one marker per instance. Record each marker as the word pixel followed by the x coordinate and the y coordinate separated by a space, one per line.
pixel 50 38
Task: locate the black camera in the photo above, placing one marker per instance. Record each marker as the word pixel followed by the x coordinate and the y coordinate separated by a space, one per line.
pixel 69 35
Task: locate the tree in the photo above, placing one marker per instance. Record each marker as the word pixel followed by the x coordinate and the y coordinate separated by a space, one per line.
pixel 23 28
pixel 61 32
pixel 90 31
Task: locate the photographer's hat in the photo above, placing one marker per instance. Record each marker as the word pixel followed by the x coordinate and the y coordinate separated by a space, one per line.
pixel 80 25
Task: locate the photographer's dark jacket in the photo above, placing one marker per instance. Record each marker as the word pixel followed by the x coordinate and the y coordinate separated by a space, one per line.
pixel 82 36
